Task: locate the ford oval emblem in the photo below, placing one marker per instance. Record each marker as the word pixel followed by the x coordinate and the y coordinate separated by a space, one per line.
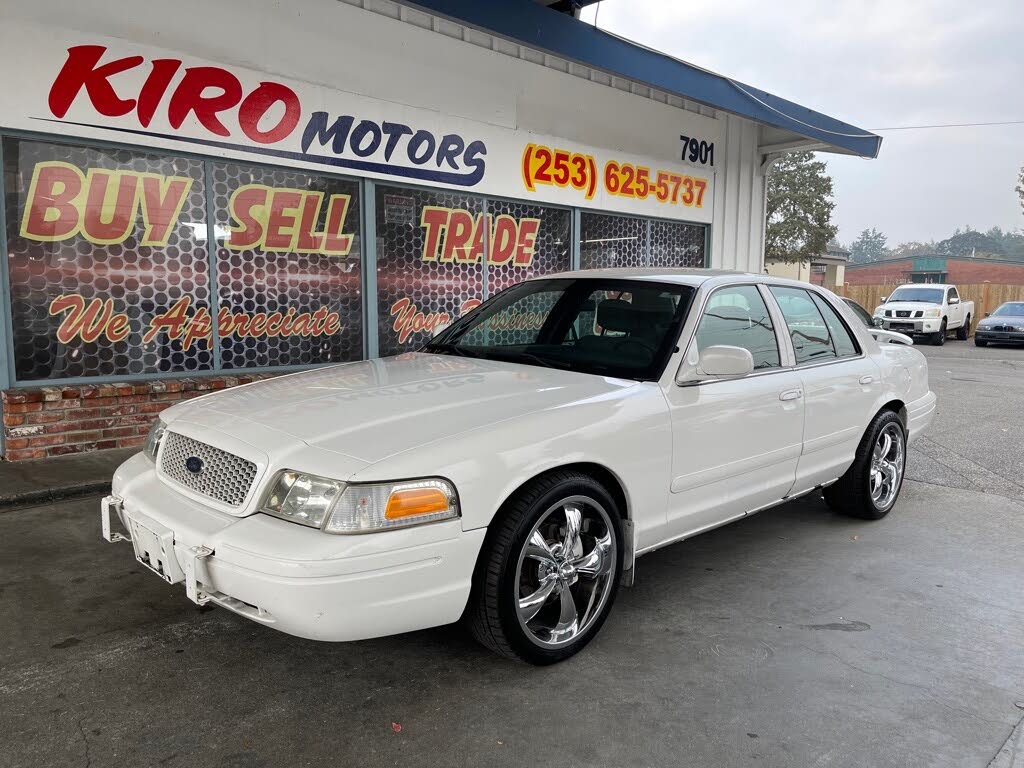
pixel 194 464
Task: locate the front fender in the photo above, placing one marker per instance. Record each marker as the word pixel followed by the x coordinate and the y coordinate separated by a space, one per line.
pixel 627 432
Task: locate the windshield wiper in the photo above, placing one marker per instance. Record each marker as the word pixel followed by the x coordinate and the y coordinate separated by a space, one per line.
pixel 449 349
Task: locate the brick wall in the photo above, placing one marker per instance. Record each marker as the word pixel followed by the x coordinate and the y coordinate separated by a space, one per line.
pixel 884 273
pixel 958 271
pixel 51 421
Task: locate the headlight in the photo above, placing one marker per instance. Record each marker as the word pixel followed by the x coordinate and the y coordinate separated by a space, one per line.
pixel 311 500
pixel 878 311
pixel 936 312
pixel 301 498
pixel 152 444
pixel 383 506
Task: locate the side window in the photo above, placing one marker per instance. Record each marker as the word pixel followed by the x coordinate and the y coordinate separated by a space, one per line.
pixel 807 329
pixel 861 313
pixel 953 294
pixel 737 316
pixel 842 341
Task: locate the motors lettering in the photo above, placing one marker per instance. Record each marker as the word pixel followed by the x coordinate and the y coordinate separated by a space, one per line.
pixel 267 114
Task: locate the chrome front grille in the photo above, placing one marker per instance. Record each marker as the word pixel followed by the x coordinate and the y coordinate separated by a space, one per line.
pixel 221 475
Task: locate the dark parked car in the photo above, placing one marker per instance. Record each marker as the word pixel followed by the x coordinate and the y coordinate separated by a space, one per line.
pixel 1004 326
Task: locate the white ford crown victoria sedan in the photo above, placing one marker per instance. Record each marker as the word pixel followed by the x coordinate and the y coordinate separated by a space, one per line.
pixel 511 471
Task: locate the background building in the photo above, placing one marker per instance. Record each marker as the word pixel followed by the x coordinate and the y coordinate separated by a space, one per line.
pixel 828 269
pixel 199 194
pixel 936 268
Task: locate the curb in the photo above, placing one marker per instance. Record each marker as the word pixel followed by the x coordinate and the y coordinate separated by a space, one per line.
pixel 9 503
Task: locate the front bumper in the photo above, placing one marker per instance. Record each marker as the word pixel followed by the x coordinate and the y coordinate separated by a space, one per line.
pixel 997 337
pixel 912 326
pixel 295 579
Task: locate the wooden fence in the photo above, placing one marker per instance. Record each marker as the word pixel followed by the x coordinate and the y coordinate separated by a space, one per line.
pixel 986 296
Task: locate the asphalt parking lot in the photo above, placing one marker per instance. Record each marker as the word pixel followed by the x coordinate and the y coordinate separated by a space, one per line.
pixel 792 638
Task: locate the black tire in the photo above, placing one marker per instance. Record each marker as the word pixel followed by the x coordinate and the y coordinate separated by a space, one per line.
pixel 964 330
pixel 980 342
pixel 492 612
pixel 938 339
pixel 851 494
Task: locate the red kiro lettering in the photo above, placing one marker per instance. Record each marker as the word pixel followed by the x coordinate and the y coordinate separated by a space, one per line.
pixel 206 93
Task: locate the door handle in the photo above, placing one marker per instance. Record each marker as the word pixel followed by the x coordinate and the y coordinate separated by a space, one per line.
pixel 791 394
pixel 866 379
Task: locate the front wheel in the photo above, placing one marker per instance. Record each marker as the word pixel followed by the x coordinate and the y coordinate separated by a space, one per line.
pixel 964 330
pixel 938 339
pixel 870 487
pixel 548 575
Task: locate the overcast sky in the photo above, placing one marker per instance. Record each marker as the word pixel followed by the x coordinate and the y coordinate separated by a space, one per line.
pixel 875 64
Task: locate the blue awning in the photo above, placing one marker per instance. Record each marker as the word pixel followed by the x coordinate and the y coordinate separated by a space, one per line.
pixel 532 24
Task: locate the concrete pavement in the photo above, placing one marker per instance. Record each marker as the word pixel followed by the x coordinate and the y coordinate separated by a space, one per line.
pixel 792 638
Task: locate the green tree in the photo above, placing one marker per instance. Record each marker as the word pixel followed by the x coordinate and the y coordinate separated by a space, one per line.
pixel 969 242
pixel 1020 187
pixel 798 209
pixel 1012 242
pixel 870 246
pixel 913 248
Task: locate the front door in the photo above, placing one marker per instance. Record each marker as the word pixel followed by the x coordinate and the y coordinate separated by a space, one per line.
pixel 736 442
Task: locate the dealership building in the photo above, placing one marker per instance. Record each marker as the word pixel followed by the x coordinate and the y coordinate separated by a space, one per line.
pixel 196 195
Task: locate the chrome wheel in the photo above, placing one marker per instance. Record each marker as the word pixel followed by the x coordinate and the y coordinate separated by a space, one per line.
pixel 565 571
pixel 887 462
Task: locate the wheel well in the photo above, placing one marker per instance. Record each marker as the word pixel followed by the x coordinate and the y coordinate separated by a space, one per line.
pixel 897 407
pixel 598 472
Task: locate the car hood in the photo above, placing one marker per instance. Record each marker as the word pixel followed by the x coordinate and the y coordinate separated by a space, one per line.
pixel 907 305
pixel 373 409
pixel 988 322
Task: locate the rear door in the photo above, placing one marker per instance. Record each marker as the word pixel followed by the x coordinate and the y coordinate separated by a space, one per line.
pixel 838 380
pixel 736 441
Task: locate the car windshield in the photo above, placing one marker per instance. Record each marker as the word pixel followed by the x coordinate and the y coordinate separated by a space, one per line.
pixel 929 295
pixel 621 328
pixel 1010 309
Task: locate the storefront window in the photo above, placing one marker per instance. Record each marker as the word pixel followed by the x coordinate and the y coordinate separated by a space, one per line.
pixel 288 267
pixel 430 247
pixel 676 245
pixel 612 241
pixel 625 241
pixel 109 267
pixel 107 261
pixel 527 241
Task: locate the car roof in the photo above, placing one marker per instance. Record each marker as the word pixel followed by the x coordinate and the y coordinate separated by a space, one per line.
pixel 680 276
pixel 926 285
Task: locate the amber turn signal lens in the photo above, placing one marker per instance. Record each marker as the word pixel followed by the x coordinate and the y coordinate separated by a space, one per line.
pixel 415 501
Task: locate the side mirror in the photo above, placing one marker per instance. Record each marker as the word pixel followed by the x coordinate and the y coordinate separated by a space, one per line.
pixel 953 300
pixel 884 299
pixel 722 360
pixel 988 314
pixel 438 329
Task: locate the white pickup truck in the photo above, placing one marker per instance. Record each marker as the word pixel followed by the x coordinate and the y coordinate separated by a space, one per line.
pixel 921 309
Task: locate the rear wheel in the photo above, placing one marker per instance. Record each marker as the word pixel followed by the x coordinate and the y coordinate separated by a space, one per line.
pixel 870 487
pixel 964 330
pixel 548 576
pixel 938 339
